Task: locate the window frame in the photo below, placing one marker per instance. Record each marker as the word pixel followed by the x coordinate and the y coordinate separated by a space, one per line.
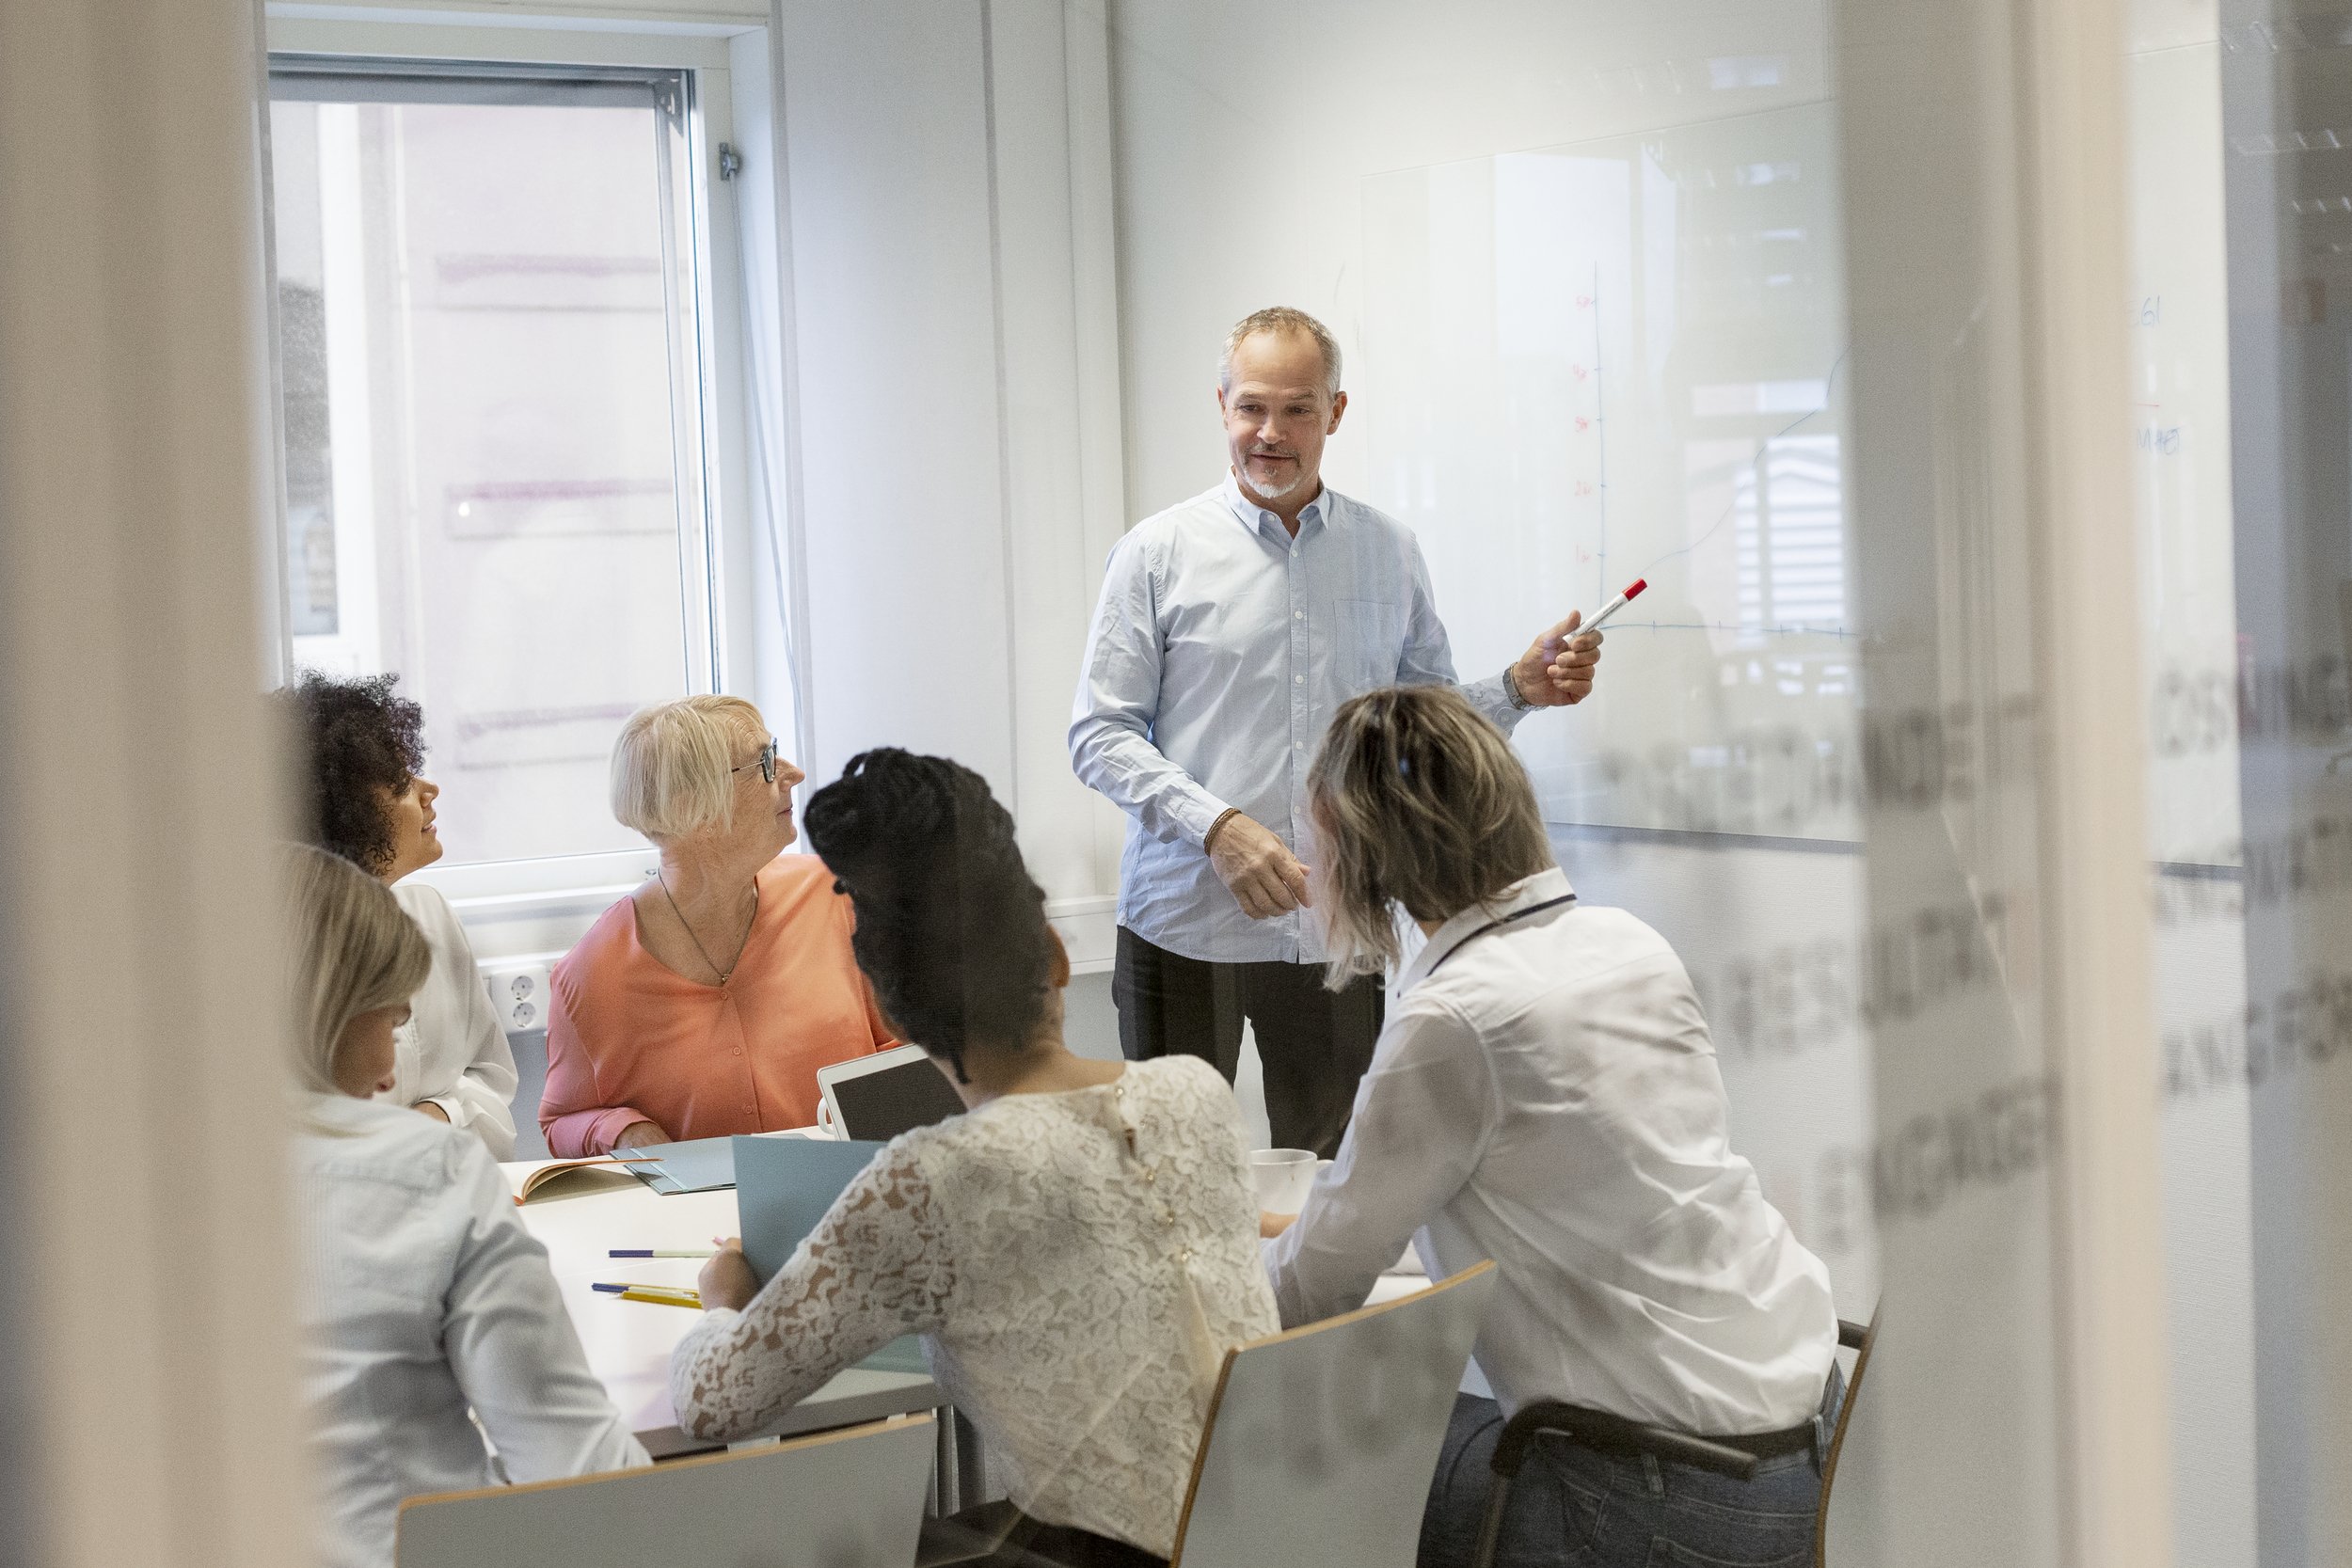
pixel 520 907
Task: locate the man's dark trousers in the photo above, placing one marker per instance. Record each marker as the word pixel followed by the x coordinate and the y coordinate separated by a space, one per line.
pixel 1313 1042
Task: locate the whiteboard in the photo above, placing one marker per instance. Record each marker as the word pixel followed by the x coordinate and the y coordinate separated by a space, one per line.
pixel 1622 358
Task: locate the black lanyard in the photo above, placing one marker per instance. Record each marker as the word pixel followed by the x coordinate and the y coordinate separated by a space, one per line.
pixel 1497 925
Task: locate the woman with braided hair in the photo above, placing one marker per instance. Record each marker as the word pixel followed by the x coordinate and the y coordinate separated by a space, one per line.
pixel 1078 1249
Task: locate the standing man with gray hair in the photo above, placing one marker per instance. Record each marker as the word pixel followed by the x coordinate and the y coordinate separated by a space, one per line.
pixel 1231 628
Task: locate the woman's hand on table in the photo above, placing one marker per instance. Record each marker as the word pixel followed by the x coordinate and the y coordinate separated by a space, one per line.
pixel 727 1280
pixel 640 1134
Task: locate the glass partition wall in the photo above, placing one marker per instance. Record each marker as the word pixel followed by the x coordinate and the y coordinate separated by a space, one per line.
pixel 2276 1055
pixel 1968 382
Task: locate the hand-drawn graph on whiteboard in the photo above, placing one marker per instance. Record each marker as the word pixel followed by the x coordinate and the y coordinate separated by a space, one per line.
pixel 1622 358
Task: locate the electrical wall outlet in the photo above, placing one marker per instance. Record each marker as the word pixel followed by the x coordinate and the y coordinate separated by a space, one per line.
pixel 518 992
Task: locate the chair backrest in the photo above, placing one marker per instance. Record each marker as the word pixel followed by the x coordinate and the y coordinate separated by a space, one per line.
pixel 1861 1341
pixel 1321 1442
pixel 840 1499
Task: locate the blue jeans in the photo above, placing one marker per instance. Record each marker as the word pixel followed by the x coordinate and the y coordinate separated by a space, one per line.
pixel 1573 1507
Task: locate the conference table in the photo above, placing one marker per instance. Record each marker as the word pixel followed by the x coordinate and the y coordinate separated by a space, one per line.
pixel 628 1343
pixel 589 1212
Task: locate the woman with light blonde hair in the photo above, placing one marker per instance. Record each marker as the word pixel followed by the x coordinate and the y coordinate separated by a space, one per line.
pixel 424 1305
pixel 703 1004
pixel 1543 1094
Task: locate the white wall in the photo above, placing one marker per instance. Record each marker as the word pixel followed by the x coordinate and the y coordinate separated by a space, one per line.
pixel 947 257
pixel 1243 130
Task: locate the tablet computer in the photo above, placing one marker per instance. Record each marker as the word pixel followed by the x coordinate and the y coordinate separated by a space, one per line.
pixel 877 1098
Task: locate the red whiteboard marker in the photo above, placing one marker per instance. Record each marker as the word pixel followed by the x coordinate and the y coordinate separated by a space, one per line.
pixel 1615 605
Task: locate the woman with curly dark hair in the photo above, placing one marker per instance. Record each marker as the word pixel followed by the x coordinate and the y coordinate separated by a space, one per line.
pixel 361 798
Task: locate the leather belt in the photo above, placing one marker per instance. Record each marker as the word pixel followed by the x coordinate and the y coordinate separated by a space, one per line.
pixel 1772 1445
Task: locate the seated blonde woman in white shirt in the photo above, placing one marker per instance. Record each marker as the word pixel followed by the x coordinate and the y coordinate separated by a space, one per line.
pixel 424 1305
pixel 1079 1249
pixel 1543 1094
pixel 364 799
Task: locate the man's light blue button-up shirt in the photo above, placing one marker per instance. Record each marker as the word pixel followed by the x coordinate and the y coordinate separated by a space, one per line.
pixel 1221 650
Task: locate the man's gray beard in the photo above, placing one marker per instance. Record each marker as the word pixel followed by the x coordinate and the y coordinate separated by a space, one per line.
pixel 1273 493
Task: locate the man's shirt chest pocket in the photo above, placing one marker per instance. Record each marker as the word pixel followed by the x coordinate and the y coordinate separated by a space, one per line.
pixel 1368 644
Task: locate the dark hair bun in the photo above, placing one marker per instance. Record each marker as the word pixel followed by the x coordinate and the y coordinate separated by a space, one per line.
pixel 951 931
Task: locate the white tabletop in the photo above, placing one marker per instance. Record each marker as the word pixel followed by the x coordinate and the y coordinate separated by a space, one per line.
pixel 628 1343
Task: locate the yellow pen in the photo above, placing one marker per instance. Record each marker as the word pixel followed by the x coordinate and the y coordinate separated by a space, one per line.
pixel 678 1298
pixel 668 1295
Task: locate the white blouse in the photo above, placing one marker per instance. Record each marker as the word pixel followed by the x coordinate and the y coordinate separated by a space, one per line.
pixel 1545 1094
pixel 451 1051
pixel 422 1295
pixel 1079 1263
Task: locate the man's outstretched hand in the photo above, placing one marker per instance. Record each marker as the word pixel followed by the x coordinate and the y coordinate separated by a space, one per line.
pixel 1257 867
pixel 1558 667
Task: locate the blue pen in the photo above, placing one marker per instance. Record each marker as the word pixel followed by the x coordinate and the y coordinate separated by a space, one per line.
pixel 659 1252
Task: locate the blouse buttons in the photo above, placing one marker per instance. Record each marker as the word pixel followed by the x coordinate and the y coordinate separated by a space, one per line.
pixel 1150 1176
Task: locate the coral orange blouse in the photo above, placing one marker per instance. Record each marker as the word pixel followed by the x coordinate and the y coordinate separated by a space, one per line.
pixel 630 1040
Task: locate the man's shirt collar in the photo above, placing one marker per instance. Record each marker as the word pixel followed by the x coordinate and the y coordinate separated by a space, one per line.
pixel 1258 520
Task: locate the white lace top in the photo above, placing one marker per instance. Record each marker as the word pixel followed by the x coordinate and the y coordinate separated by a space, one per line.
pixel 1078 1262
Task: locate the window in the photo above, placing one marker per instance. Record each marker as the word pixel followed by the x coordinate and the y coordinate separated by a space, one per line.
pixel 494 412
pixel 1790 538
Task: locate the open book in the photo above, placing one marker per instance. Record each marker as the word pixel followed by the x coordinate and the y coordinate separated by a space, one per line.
pixel 596 1171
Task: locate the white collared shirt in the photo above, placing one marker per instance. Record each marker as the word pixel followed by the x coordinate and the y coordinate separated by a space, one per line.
pixel 1221 650
pixel 422 1295
pixel 1545 1095
pixel 451 1051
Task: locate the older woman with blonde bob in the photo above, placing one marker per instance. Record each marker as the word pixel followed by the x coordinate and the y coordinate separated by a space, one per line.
pixel 1545 1094
pixel 426 1306
pixel 704 1003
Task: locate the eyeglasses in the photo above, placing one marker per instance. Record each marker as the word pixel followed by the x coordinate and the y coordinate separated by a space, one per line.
pixel 765 761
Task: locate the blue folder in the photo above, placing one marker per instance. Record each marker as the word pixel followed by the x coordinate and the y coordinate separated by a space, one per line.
pixel 702 1166
pixel 782 1187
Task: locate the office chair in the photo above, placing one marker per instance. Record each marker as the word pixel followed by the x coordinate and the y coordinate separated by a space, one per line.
pixel 1319 1444
pixel 1860 1339
pixel 848 1496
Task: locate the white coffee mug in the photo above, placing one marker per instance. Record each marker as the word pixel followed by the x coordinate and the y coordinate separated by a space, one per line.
pixel 1283 1177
